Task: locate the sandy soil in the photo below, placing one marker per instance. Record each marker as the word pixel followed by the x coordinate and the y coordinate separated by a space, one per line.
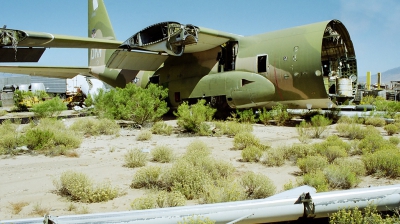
pixel 29 178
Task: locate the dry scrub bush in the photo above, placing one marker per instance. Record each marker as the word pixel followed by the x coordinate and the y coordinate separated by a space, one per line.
pixel 3 112
pixel 383 163
pixel 144 135
pixel 78 187
pixel 135 158
pixel 224 190
pixel 374 142
pixel 351 120
pixel 333 152
pixel 304 131
pixel 161 128
pixel 257 186
pixel 351 131
pixel 93 127
pixel 342 177
pixel 51 137
pixel 245 139
pixel 10 138
pixel 38 209
pixel 394 140
pixel 296 151
pixel 162 154
pixel 170 199
pixel 145 202
pixel 375 121
pixel 252 154
pixel 312 164
pixel 391 129
pixel 317 180
pixel 274 156
pixel 147 177
pixel 367 215
pixel 16 207
pixel 232 128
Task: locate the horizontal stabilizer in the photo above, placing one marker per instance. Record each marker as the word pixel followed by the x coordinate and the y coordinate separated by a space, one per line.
pixel 136 60
pixel 54 72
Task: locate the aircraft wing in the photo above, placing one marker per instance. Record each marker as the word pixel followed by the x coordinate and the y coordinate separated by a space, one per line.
pixel 46 71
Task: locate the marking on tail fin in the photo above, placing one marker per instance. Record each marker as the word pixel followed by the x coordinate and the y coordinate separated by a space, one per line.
pixel 95 5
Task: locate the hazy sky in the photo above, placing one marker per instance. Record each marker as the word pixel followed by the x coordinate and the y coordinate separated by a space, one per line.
pixel 374 25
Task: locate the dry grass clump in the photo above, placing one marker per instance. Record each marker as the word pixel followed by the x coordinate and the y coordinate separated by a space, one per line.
pixel 161 128
pixel 161 199
pixel 51 137
pixel 78 187
pixel 351 120
pixel 342 177
pixel 311 164
pixel 3 112
pixel 257 186
pixel 162 154
pixel 245 139
pixel 351 131
pixel 367 215
pixel 232 128
pixel 375 121
pixel 92 127
pixel 135 158
pixel 374 142
pixel 296 151
pixel 145 202
pixel 38 209
pixel 16 207
pixel 394 140
pixel 144 135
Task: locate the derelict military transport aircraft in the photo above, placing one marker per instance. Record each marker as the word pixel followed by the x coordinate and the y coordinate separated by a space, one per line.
pixel 309 65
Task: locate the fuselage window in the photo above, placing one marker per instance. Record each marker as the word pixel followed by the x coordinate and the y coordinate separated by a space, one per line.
pixel 262 63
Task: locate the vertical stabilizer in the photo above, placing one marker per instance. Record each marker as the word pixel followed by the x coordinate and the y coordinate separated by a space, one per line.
pixel 99 27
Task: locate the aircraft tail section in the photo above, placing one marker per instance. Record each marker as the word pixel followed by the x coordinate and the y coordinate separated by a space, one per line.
pixel 99 27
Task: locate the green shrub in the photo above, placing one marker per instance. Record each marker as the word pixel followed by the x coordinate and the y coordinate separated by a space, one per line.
pixel 274 157
pixel 161 128
pixel 93 127
pixel 145 202
pixel 197 149
pixel 383 163
pixel 333 152
pixel 355 165
pixel 374 142
pixel 135 158
pixel 252 154
pixel 375 121
pixel 10 138
pixel 49 108
pixel 246 116
pixel 341 177
pixel 2 112
pixel 264 116
pixel 316 179
pixel 312 164
pixel 279 114
pixel 132 103
pixel 391 129
pixel 78 187
pixel 162 154
pixel 297 151
pixel 319 124
pixel 190 117
pixel 144 135
pixel 245 139
pixel 367 215
pixel 170 199
pixel 224 190
pixel 257 186
pixel 351 120
pixel 147 177
pixel 51 137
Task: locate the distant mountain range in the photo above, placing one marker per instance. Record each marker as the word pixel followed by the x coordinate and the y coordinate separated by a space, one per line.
pixel 386 77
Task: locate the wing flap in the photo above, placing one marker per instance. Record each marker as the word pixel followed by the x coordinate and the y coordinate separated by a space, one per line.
pixel 21 54
pixel 54 72
pixel 136 60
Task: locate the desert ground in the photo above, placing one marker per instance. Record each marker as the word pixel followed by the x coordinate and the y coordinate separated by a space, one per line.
pixel 29 178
